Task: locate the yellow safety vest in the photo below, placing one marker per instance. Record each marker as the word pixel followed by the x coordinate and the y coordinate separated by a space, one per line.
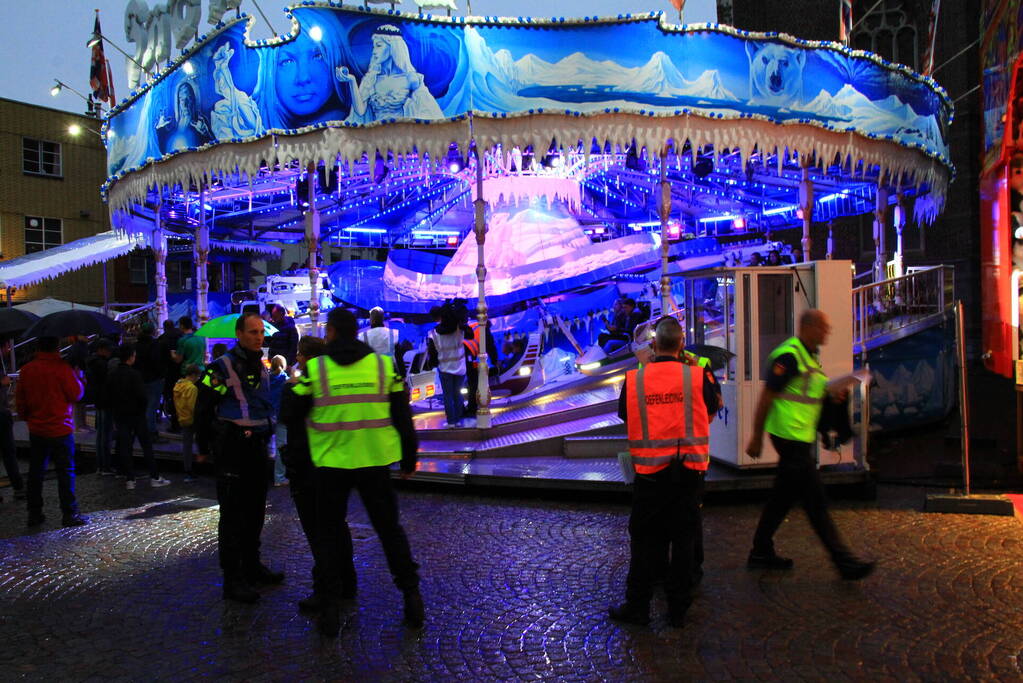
pixel 693 359
pixel 795 412
pixel 349 426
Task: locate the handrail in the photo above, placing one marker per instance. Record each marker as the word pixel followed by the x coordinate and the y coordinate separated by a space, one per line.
pixel 891 305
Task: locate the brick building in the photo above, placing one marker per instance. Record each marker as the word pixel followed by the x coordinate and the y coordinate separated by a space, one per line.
pixel 49 195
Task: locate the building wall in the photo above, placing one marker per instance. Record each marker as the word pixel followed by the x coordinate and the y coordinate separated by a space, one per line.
pixel 74 198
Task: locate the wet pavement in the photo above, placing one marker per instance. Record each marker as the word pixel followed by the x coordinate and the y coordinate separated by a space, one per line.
pixel 515 589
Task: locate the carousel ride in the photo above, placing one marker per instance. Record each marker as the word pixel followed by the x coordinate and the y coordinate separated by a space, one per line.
pixel 539 169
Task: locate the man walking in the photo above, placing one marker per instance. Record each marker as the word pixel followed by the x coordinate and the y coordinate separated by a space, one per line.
pixel 46 393
pixel 359 423
pixel 667 406
pixel 242 433
pixel 788 410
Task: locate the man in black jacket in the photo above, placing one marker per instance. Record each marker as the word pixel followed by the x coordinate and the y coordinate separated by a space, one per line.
pixel 147 363
pixel 95 394
pixel 301 474
pixel 126 398
pixel 168 368
pixel 350 452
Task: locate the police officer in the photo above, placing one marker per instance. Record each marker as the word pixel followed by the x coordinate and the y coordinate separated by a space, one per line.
pixel 359 423
pixel 789 409
pixel 243 410
pixel 667 406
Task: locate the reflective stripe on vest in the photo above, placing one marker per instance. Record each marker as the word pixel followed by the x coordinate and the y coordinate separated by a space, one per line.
pixel 326 399
pixel 796 410
pixel 235 383
pixel 352 431
pixel 650 455
pixel 450 352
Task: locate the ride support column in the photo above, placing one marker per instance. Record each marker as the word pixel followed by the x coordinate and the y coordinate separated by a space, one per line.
pixel 480 230
pixel 806 206
pixel 159 246
pixel 201 247
pixel 880 248
pixel 665 210
pixel 312 237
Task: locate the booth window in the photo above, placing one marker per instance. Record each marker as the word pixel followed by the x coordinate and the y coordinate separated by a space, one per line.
pixel 42 233
pixel 138 269
pixel 40 157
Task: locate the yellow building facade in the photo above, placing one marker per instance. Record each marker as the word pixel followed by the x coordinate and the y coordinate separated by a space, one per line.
pixel 50 193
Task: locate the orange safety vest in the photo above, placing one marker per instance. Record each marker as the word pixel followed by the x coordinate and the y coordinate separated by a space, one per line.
pixel 667 418
pixel 472 346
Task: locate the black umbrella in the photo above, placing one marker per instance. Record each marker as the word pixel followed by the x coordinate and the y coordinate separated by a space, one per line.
pixel 13 322
pixel 718 356
pixel 72 322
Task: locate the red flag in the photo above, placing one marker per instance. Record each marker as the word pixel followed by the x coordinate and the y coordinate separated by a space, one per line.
pixel 927 65
pixel 844 20
pixel 101 80
pixel 678 4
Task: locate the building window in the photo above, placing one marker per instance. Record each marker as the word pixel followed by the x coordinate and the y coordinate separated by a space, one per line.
pixel 42 233
pixel 39 157
pixel 138 269
pixel 889 31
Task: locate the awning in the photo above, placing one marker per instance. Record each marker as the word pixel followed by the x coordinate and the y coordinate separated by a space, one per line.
pixel 31 269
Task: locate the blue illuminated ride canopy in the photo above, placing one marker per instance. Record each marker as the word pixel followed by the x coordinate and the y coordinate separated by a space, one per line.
pixel 372 81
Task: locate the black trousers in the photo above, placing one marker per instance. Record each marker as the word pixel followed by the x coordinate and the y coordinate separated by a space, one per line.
pixel 663 531
pixel 333 487
pixel 9 451
pixel 126 430
pixel 243 475
pixel 62 450
pixel 798 479
pixel 302 484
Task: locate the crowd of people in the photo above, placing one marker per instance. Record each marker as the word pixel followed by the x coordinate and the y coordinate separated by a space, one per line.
pixel 338 416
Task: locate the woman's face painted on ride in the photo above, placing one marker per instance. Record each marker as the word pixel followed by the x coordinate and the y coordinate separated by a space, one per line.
pixel 381 50
pixel 186 104
pixel 304 82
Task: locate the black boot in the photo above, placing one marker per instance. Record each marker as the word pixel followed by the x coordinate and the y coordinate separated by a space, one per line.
pixel 237 589
pixel 414 611
pixel 631 613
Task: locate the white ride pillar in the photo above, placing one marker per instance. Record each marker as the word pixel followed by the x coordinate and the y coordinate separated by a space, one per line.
pixel 159 246
pixel 806 206
pixel 312 237
pixel 480 230
pixel 880 248
pixel 899 217
pixel 667 303
pixel 201 251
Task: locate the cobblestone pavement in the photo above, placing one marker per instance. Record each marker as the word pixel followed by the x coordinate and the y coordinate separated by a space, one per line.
pixel 515 590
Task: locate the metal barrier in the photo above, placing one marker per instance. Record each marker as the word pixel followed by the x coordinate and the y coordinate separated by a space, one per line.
pixel 901 305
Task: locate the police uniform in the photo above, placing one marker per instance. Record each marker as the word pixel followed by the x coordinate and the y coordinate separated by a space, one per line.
pixel 667 406
pixel 244 415
pixel 358 424
pixel 795 375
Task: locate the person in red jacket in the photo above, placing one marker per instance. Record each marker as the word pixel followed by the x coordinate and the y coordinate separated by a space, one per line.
pixel 47 390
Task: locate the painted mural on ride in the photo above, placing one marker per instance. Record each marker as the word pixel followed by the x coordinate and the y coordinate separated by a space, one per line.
pixel 360 70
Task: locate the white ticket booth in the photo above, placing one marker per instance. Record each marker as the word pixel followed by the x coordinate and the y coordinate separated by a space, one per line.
pixel 748 312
